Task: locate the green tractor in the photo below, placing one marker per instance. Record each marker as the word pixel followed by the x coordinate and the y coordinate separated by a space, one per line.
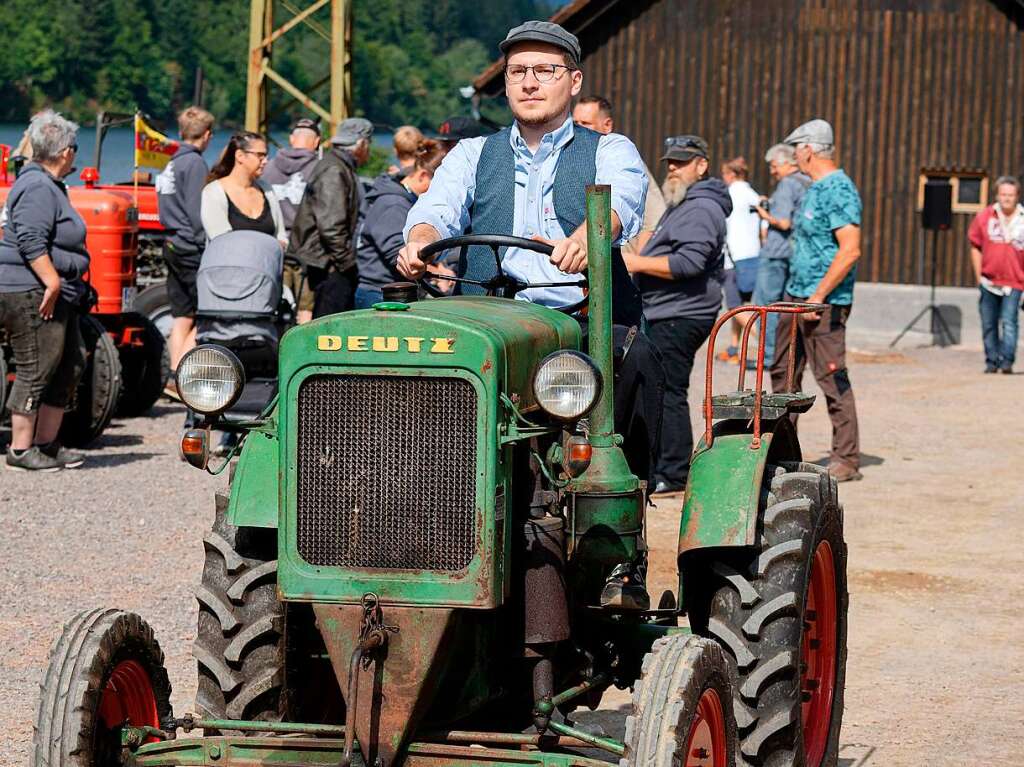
pixel 407 569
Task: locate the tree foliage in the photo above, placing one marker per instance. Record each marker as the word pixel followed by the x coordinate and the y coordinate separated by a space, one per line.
pixel 79 56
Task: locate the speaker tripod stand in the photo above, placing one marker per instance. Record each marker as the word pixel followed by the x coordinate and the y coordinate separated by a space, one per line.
pixel 941 334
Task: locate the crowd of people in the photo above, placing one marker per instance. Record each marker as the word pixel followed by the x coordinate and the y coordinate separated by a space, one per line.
pixel 683 247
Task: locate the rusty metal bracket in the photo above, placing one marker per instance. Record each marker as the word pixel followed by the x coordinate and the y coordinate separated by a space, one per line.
pixel 373 636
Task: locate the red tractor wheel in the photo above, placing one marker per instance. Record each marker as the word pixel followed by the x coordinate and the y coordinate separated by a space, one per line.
pixel 682 713
pixel 106 669
pixel 144 368
pixel 779 612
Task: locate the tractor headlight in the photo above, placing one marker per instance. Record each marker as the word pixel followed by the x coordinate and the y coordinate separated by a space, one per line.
pixel 210 379
pixel 567 385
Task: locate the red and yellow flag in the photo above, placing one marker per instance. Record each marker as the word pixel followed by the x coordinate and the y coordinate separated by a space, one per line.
pixel 152 148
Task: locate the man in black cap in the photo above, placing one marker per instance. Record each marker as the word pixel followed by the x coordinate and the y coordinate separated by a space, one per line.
pixel 288 173
pixel 322 235
pixel 679 273
pixel 529 180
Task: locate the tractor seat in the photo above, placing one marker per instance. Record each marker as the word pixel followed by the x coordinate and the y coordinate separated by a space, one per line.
pixel 740 405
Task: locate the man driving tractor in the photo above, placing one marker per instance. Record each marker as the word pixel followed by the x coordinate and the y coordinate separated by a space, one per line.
pixel 529 180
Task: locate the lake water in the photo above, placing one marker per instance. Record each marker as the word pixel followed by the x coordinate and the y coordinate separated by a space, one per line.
pixel 116 160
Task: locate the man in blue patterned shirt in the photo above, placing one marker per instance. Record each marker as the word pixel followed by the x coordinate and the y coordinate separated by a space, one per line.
pixel 528 180
pixel 826 239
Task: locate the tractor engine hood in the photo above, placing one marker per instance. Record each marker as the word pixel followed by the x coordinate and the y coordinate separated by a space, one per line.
pixel 389 448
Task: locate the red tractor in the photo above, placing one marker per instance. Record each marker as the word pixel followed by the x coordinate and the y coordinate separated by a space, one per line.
pixel 127 355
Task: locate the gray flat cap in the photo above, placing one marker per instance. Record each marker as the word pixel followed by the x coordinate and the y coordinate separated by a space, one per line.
pixel 351 130
pixel 816 131
pixel 542 32
pixel 685 148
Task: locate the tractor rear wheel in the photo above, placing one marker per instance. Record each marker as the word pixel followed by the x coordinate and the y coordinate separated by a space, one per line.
pixel 154 304
pixel 144 369
pixel 681 715
pixel 106 668
pixel 780 614
pixel 240 647
pixel 98 390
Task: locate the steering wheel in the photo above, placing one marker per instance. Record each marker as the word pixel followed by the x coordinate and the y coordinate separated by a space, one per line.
pixel 501 284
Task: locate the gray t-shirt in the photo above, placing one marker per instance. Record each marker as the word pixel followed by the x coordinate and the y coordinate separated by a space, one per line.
pixel 783 205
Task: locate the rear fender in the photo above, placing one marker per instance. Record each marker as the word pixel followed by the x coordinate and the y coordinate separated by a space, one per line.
pixel 255 483
pixel 723 489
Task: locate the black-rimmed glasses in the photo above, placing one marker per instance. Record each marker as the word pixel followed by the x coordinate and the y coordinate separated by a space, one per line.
pixel 545 73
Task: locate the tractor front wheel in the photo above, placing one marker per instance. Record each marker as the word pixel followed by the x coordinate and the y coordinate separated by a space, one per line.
pixel 779 612
pixel 240 647
pixel 681 713
pixel 106 669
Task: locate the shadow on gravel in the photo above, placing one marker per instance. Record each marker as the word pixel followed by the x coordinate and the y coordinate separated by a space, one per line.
pixel 116 440
pixel 866 459
pixel 99 460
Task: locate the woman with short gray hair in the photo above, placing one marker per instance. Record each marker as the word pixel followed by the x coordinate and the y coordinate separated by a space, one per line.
pixel 42 260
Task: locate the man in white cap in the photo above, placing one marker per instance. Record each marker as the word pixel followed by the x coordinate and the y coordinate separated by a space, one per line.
pixel 826 246
pixel 322 236
pixel 529 180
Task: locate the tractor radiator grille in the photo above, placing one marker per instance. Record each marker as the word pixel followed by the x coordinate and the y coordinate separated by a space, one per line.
pixel 387 472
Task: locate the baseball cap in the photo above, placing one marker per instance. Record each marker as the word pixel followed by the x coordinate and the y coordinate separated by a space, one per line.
pixel 815 131
pixel 309 123
pixel 685 147
pixel 543 32
pixel 353 129
pixel 460 127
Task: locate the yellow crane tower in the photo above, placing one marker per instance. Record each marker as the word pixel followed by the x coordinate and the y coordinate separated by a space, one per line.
pixel 262 75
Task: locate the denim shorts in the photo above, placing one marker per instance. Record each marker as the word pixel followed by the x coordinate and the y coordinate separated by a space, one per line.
pixel 49 355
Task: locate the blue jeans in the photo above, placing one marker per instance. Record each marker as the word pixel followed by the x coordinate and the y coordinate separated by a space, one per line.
pixel 771 284
pixel 367 297
pixel 999 327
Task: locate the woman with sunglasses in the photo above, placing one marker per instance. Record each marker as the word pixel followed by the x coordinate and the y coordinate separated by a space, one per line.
pixel 234 198
pixel 42 260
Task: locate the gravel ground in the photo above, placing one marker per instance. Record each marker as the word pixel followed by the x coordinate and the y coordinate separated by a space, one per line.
pixel 936 665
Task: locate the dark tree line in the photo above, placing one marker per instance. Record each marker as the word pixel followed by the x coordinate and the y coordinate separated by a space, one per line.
pixel 79 56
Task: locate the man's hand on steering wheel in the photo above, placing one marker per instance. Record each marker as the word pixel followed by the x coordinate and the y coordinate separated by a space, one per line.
pixel 569 255
pixel 409 262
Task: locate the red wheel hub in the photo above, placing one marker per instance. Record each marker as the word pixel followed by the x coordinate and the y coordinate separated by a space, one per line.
pixel 818 655
pixel 129 697
pixel 705 745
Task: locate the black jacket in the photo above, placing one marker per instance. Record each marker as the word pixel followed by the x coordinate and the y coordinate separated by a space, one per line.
pixel 324 227
pixel 179 193
pixel 691 234
pixel 380 235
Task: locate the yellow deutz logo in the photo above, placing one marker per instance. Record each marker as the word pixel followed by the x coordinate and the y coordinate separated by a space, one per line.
pixel 385 344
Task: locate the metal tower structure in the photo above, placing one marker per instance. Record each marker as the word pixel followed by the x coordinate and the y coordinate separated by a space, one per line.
pixel 262 76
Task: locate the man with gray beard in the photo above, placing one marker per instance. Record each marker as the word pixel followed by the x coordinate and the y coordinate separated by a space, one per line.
pixel 679 274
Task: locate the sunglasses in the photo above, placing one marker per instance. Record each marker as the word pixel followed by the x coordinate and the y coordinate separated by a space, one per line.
pixel 73 147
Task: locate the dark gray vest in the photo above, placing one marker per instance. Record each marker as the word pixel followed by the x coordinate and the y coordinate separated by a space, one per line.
pixel 493 210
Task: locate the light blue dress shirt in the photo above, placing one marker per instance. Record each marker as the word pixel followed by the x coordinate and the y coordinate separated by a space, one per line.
pixel 446 205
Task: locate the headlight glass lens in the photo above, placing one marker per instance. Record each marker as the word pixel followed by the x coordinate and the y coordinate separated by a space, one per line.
pixel 567 385
pixel 210 379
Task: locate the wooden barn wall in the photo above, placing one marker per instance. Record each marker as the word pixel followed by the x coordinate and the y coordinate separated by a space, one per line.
pixel 905 85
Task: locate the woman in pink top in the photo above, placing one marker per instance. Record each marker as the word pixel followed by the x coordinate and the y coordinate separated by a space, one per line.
pixel 997 254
